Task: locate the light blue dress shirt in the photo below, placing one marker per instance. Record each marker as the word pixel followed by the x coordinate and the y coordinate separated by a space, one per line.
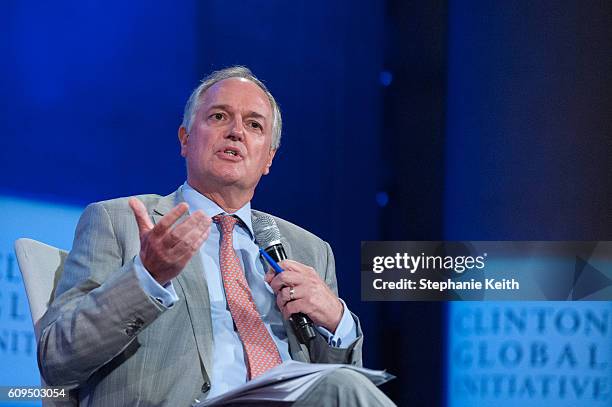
pixel 228 359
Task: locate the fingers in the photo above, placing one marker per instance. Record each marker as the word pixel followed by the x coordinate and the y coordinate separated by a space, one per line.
pixel 165 248
pixel 191 236
pixel 286 278
pixel 293 307
pixel 187 231
pixel 193 247
pixel 285 265
pixel 170 218
pixel 294 274
pixel 270 274
pixel 295 266
pixel 311 295
pixel 142 217
pixel 288 294
pixel 145 224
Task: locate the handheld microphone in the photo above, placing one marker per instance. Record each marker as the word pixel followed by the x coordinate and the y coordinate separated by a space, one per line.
pixel 268 238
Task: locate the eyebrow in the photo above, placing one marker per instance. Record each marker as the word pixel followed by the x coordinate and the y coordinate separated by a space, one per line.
pixel 229 108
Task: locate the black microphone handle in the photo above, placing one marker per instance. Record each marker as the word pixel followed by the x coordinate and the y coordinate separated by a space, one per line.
pixel 302 324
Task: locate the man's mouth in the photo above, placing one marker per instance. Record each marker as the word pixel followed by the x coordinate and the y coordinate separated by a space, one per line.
pixel 231 153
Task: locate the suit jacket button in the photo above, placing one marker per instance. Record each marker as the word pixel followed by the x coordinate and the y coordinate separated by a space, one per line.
pixel 205 387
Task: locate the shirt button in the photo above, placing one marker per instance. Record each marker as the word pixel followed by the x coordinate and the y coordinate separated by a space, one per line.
pixel 205 387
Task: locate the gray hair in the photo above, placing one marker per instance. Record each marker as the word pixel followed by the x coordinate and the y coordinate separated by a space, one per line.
pixel 237 71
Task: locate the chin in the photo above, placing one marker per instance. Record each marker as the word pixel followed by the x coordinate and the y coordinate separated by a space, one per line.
pixel 229 177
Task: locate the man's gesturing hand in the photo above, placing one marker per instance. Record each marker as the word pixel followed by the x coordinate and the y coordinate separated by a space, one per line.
pixel 164 249
pixel 311 295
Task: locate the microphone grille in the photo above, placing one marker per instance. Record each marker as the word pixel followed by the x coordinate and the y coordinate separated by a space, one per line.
pixel 266 231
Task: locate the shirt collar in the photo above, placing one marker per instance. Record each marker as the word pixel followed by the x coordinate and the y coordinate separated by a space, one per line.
pixel 198 201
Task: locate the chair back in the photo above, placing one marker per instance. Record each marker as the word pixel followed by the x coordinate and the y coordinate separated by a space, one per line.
pixel 41 267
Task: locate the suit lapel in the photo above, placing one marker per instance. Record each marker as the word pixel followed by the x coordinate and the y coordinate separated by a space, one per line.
pixel 193 288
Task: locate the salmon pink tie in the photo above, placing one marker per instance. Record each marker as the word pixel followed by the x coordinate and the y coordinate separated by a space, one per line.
pixel 259 347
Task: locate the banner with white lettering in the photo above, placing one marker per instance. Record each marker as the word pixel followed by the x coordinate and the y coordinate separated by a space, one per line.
pixel 532 354
pixel 51 224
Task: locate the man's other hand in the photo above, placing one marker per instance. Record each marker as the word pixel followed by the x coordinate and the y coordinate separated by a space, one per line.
pixel 311 295
pixel 165 249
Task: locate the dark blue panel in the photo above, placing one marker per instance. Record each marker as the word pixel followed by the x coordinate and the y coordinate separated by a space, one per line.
pixel 528 148
pixel 94 94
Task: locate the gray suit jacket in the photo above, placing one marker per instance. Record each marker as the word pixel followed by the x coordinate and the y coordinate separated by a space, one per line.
pixel 107 339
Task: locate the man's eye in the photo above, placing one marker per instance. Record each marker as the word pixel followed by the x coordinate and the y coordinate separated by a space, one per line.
pixel 256 125
pixel 217 116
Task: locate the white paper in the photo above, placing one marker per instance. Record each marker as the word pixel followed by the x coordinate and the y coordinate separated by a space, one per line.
pixel 287 382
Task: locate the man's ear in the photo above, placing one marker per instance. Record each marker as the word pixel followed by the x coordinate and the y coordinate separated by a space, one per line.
pixel 183 136
pixel 269 162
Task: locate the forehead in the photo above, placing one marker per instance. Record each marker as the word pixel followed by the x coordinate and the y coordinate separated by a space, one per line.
pixel 238 93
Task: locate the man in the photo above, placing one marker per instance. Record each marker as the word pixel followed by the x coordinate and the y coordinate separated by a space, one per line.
pixel 164 300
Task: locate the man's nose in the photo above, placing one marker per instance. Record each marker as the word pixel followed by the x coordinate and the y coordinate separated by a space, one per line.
pixel 237 131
